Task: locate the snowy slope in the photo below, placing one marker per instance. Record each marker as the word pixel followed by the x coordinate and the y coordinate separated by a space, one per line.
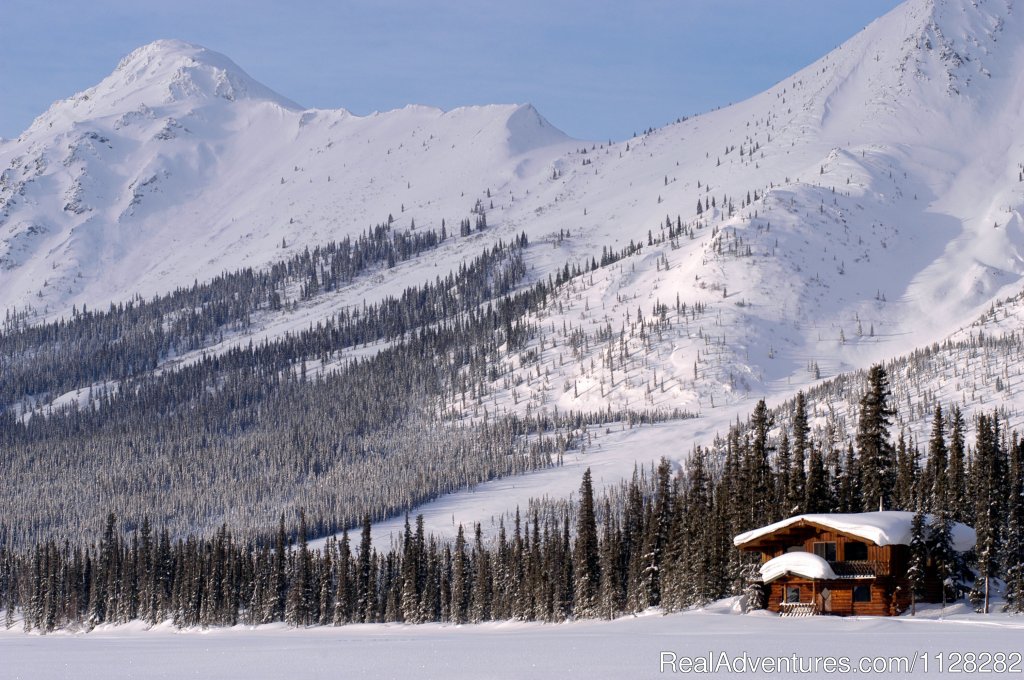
pixel 179 166
pixel 885 214
pixel 866 206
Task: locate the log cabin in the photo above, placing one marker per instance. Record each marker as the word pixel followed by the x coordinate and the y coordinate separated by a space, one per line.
pixel 843 564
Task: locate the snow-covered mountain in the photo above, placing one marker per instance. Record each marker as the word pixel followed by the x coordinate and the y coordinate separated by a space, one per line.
pixel 179 166
pixel 865 206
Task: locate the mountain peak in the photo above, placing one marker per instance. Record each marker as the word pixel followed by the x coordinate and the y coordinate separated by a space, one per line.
pixel 161 48
pixel 528 130
pixel 163 72
pixel 955 39
pixel 182 70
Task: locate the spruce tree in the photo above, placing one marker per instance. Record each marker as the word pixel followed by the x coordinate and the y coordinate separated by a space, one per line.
pixel 944 558
pixel 343 582
pixel 988 474
pixel 633 537
pixel 279 577
pixel 795 501
pixel 1013 544
pixel 700 549
pixel 565 581
pixel 905 492
pixel 938 498
pixel 918 559
pixel 877 459
pixel 736 516
pixel 301 591
pixel 783 467
pixel 956 477
pixel 610 603
pixel 480 597
pixel 586 557
pixel 410 580
pixel 365 594
pixel 796 494
pixel 849 484
pixel 460 579
pixel 758 468
pixel 816 498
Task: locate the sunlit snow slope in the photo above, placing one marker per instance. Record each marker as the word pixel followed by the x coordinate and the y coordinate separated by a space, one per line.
pixel 865 206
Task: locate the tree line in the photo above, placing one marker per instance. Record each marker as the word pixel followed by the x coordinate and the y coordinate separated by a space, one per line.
pixel 297 421
pixel 133 337
pixel 662 539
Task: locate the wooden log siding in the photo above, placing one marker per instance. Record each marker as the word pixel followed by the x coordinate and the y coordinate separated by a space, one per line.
pixel 881 604
pixel 808 536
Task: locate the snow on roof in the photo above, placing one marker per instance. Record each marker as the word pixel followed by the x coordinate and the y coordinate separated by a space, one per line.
pixel 803 564
pixel 888 527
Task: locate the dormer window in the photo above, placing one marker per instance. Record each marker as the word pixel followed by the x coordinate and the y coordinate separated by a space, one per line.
pixel 826 550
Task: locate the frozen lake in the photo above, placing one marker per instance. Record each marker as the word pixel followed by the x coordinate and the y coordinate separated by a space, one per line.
pixel 626 648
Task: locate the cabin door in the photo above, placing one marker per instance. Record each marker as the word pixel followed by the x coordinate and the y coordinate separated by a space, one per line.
pixel 825 601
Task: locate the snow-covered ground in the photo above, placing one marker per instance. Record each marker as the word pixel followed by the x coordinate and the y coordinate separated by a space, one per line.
pixel 632 647
pixel 611 457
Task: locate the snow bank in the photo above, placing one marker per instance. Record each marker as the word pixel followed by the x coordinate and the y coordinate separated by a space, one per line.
pixel 889 527
pixel 803 564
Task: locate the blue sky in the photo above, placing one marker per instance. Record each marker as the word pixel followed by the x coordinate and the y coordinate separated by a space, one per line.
pixel 595 69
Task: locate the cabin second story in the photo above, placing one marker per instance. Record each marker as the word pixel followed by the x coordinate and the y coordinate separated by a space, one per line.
pixel 846 552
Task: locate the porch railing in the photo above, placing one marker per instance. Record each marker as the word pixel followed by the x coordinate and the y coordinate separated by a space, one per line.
pixel 861 568
pixel 798 609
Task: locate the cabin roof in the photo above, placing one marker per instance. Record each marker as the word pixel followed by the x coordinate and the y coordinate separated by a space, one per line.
pixel 888 527
pixel 803 564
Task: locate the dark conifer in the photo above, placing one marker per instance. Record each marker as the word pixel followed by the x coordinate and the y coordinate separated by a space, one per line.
pixel 279 576
pixel 758 467
pixel 942 554
pixel 797 490
pixel 956 477
pixel 460 580
pixel 905 493
pixel 877 459
pixel 783 465
pixel 586 556
pixel 1013 545
pixel 988 475
pixel 916 568
pixel 816 498
pixel 365 596
pixel 935 476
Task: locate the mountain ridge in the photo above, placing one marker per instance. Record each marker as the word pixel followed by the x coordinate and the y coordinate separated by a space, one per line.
pixel 851 219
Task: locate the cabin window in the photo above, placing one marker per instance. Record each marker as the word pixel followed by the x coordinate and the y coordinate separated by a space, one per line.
pixel 856 551
pixel 862 594
pixel 795 548
pixel 826 550
pixel 792 593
